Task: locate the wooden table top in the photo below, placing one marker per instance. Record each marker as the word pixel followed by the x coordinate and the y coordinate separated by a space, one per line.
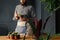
pixel 27 38
pixel 53 37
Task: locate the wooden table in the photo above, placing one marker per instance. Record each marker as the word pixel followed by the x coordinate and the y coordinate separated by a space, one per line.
pixel 53 37
pixel 27 38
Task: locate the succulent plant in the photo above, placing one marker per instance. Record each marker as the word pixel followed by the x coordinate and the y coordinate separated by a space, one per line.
pixel 9 33
pixel 14 35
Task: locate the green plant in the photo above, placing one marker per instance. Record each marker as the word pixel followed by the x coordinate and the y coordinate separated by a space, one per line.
pixel 51 5
pixel 40 38
pixel 44 36
pixel 13 35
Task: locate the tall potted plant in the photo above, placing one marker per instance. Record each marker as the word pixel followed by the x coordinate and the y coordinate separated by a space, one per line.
pixel 51 7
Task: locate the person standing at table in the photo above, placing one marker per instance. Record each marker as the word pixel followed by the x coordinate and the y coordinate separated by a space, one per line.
pixel 23 13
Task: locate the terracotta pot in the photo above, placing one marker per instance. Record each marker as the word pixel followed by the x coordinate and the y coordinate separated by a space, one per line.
pixel 11 37
pixel 17 37
pixel 8 37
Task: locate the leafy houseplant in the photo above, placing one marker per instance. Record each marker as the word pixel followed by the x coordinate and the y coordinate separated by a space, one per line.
pixel 51 5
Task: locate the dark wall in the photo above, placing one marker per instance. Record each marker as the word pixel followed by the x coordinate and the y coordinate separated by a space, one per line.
pixel 7 8
pixel 58 21
pixel 3 29
pixel 6 13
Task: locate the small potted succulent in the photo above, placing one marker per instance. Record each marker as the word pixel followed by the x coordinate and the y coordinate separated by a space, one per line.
pixel 16 35
pixel 10 36
pixel 13 35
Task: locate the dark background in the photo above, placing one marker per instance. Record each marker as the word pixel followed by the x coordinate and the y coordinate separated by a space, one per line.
pixel 7 8
pixel 57 21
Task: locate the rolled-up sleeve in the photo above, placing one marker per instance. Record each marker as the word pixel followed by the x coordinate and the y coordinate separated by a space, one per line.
pixel 15 13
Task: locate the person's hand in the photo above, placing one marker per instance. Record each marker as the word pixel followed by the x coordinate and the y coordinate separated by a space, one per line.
pixel 24 19
pixel 17 17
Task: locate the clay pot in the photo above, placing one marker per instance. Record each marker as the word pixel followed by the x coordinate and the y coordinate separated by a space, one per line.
pixel 11 37
pixel 17 37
